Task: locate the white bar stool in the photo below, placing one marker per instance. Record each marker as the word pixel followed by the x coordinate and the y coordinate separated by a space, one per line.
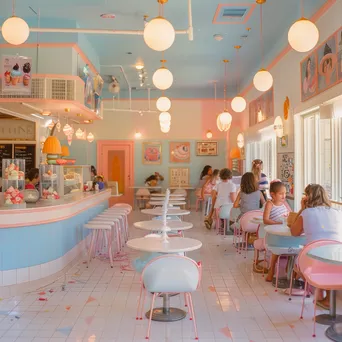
pixel 97 229
pixel 122 224
pixel 119 212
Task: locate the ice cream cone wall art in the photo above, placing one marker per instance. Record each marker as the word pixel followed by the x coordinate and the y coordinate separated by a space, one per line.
pixel 16 74
pixel 179 152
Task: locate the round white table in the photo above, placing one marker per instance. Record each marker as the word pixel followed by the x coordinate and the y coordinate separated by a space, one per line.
pixel 156 225
pixel 278 229
pixel 161 203
pixel 330 254
pixel 170 212
pixel 157 245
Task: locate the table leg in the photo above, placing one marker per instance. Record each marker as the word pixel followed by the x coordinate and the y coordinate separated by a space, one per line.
pixel 332 317
pixel 166 313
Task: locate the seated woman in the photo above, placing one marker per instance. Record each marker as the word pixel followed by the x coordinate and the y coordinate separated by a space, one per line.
pixel 317 220
pixel 210 184
pixel 32 179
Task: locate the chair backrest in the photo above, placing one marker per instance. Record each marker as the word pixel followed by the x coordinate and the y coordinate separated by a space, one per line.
pixel 305 262
pixel 245 221
pixel 171 274
pixel 225 211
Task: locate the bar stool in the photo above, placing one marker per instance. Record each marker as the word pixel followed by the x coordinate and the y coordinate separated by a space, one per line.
pixel 123 205
pixel 122 223
pixel 116 227
pixel 124 215
pixel 97 230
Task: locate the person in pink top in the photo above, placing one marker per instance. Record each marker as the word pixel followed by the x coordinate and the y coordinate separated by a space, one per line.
pixel 210 183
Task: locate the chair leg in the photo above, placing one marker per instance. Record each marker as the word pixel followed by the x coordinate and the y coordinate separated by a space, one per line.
pixel 139 301
pixel 185 300
pixel 110 252
pixel 277 274
pixel 150 318
pixel 186 295
pixel 142 304
pixel 246 245
pixel 90 252
pixel 291 281
pixel 305 289
pixel 193 315
pixel 314 317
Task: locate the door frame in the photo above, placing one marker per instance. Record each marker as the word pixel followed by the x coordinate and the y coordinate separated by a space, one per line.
pixel 118 145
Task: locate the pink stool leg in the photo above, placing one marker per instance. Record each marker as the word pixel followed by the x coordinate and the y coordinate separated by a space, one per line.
pixel 110 252
pixel 193 315
pixel 277 274
pixel 303 302
pixel 246 245
pixel 150 318
pixel 93 237
pixel 138 308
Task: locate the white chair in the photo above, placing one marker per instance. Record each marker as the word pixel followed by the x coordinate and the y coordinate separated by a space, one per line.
pixel 224 214
pixel 234 215
pixel 169 274
pixel 99 229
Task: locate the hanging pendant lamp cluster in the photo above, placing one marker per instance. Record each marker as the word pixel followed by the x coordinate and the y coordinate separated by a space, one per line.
pixel 224 120
pixel 238 103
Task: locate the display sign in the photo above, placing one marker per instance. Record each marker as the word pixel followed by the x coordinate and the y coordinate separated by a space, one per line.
pixel 16 74
pixel 28 153
pixel 17 130
pixel 5 153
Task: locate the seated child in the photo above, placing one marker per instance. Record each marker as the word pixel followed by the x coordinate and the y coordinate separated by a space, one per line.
pixel 210 184
pixel 222 194
pixel 275 212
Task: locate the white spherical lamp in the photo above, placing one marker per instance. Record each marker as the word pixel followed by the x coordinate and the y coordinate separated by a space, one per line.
pixel 159 34
pixel 165 129
pixel 238 104
pixel 164 117
pixel 303 35
pixel 263 80
pixel 163 104
pixel 240 140
pixel 67 129
pixel 225 118
pixel 162 78
pixel 15 30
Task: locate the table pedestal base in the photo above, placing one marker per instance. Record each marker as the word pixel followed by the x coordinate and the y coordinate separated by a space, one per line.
pixel 326 319
pixel 334 332
pixel 166 313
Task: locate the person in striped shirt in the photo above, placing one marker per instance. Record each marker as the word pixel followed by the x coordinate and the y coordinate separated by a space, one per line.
pixel 260 177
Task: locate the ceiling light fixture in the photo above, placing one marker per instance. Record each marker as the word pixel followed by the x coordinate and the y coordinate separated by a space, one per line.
pixel 159 33
pixel 137 135
pixel 162 78
pixel 238 103
pixel 224 119
pixel 90 137
pixel 263 80
pixel 15 30
pixel 303 35
pixel 163 104
pixel 139 66
pixel 240 140
pixel 164 117
pixel 209 134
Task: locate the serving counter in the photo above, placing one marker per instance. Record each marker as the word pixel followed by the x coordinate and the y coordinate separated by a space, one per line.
pixel 43 238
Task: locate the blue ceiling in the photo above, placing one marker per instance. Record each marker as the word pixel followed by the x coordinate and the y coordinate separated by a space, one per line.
pixel 193 63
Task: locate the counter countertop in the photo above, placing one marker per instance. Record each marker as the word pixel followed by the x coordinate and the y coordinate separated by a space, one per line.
pixel 47 211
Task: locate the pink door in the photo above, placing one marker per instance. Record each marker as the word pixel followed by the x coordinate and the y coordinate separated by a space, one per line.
pixel 115 160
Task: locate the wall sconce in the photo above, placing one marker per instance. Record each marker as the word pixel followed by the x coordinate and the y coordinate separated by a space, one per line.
pixel 137 135
pixel 209 134
pixel 240 140
pixel 278 126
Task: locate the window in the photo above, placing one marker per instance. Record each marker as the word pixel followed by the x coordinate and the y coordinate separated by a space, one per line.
pixel 266 151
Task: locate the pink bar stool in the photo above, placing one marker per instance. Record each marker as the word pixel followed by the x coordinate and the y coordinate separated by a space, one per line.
pixel 122 224
pixel 99 229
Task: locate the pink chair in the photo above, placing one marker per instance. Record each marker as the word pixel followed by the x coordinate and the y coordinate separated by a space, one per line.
pixel 247 227
pixel 318 274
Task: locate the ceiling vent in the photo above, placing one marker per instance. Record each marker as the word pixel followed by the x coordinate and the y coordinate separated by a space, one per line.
pixel 233 14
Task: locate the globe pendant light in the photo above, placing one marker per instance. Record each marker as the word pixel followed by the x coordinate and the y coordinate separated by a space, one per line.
pixel 224 119
pixel 303 35
pixel 263 79
pixel 240 140
pixel 159 33
pixel 67 129
pixel 162 77
pixel 164 117
pixel 238 103
pixel 15 30
pixel 163 104
pixel 79 133
pixel 165 129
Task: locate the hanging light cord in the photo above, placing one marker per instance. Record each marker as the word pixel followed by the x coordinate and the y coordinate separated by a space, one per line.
pixel 261 38
pixel 302 8
pixel 13 8
pixel 225 85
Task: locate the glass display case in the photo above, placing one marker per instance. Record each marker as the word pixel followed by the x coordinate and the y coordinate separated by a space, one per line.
pixel 61 180
pixel 13 181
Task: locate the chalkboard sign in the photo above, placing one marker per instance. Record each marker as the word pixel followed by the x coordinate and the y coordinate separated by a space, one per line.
pixel 5 153
pixel 27 152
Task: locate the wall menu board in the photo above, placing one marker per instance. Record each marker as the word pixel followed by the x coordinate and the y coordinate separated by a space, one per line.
pixel 285 172
pixel 27 152
pixel 179 176
pixel 5 153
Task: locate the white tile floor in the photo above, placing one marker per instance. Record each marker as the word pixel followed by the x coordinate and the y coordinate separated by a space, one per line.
pixel 99 303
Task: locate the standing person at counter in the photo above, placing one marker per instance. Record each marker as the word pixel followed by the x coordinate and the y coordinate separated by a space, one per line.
pixel 32 179
pixel 260 177
pixel 93 172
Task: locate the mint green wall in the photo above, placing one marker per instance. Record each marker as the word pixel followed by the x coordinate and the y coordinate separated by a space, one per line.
pixel 85 153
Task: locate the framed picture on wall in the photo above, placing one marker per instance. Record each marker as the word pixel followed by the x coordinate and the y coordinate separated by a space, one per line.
pixel 285 171
pixel 151 153
pixel 179 152
pixel 179 176
pixel 206 148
